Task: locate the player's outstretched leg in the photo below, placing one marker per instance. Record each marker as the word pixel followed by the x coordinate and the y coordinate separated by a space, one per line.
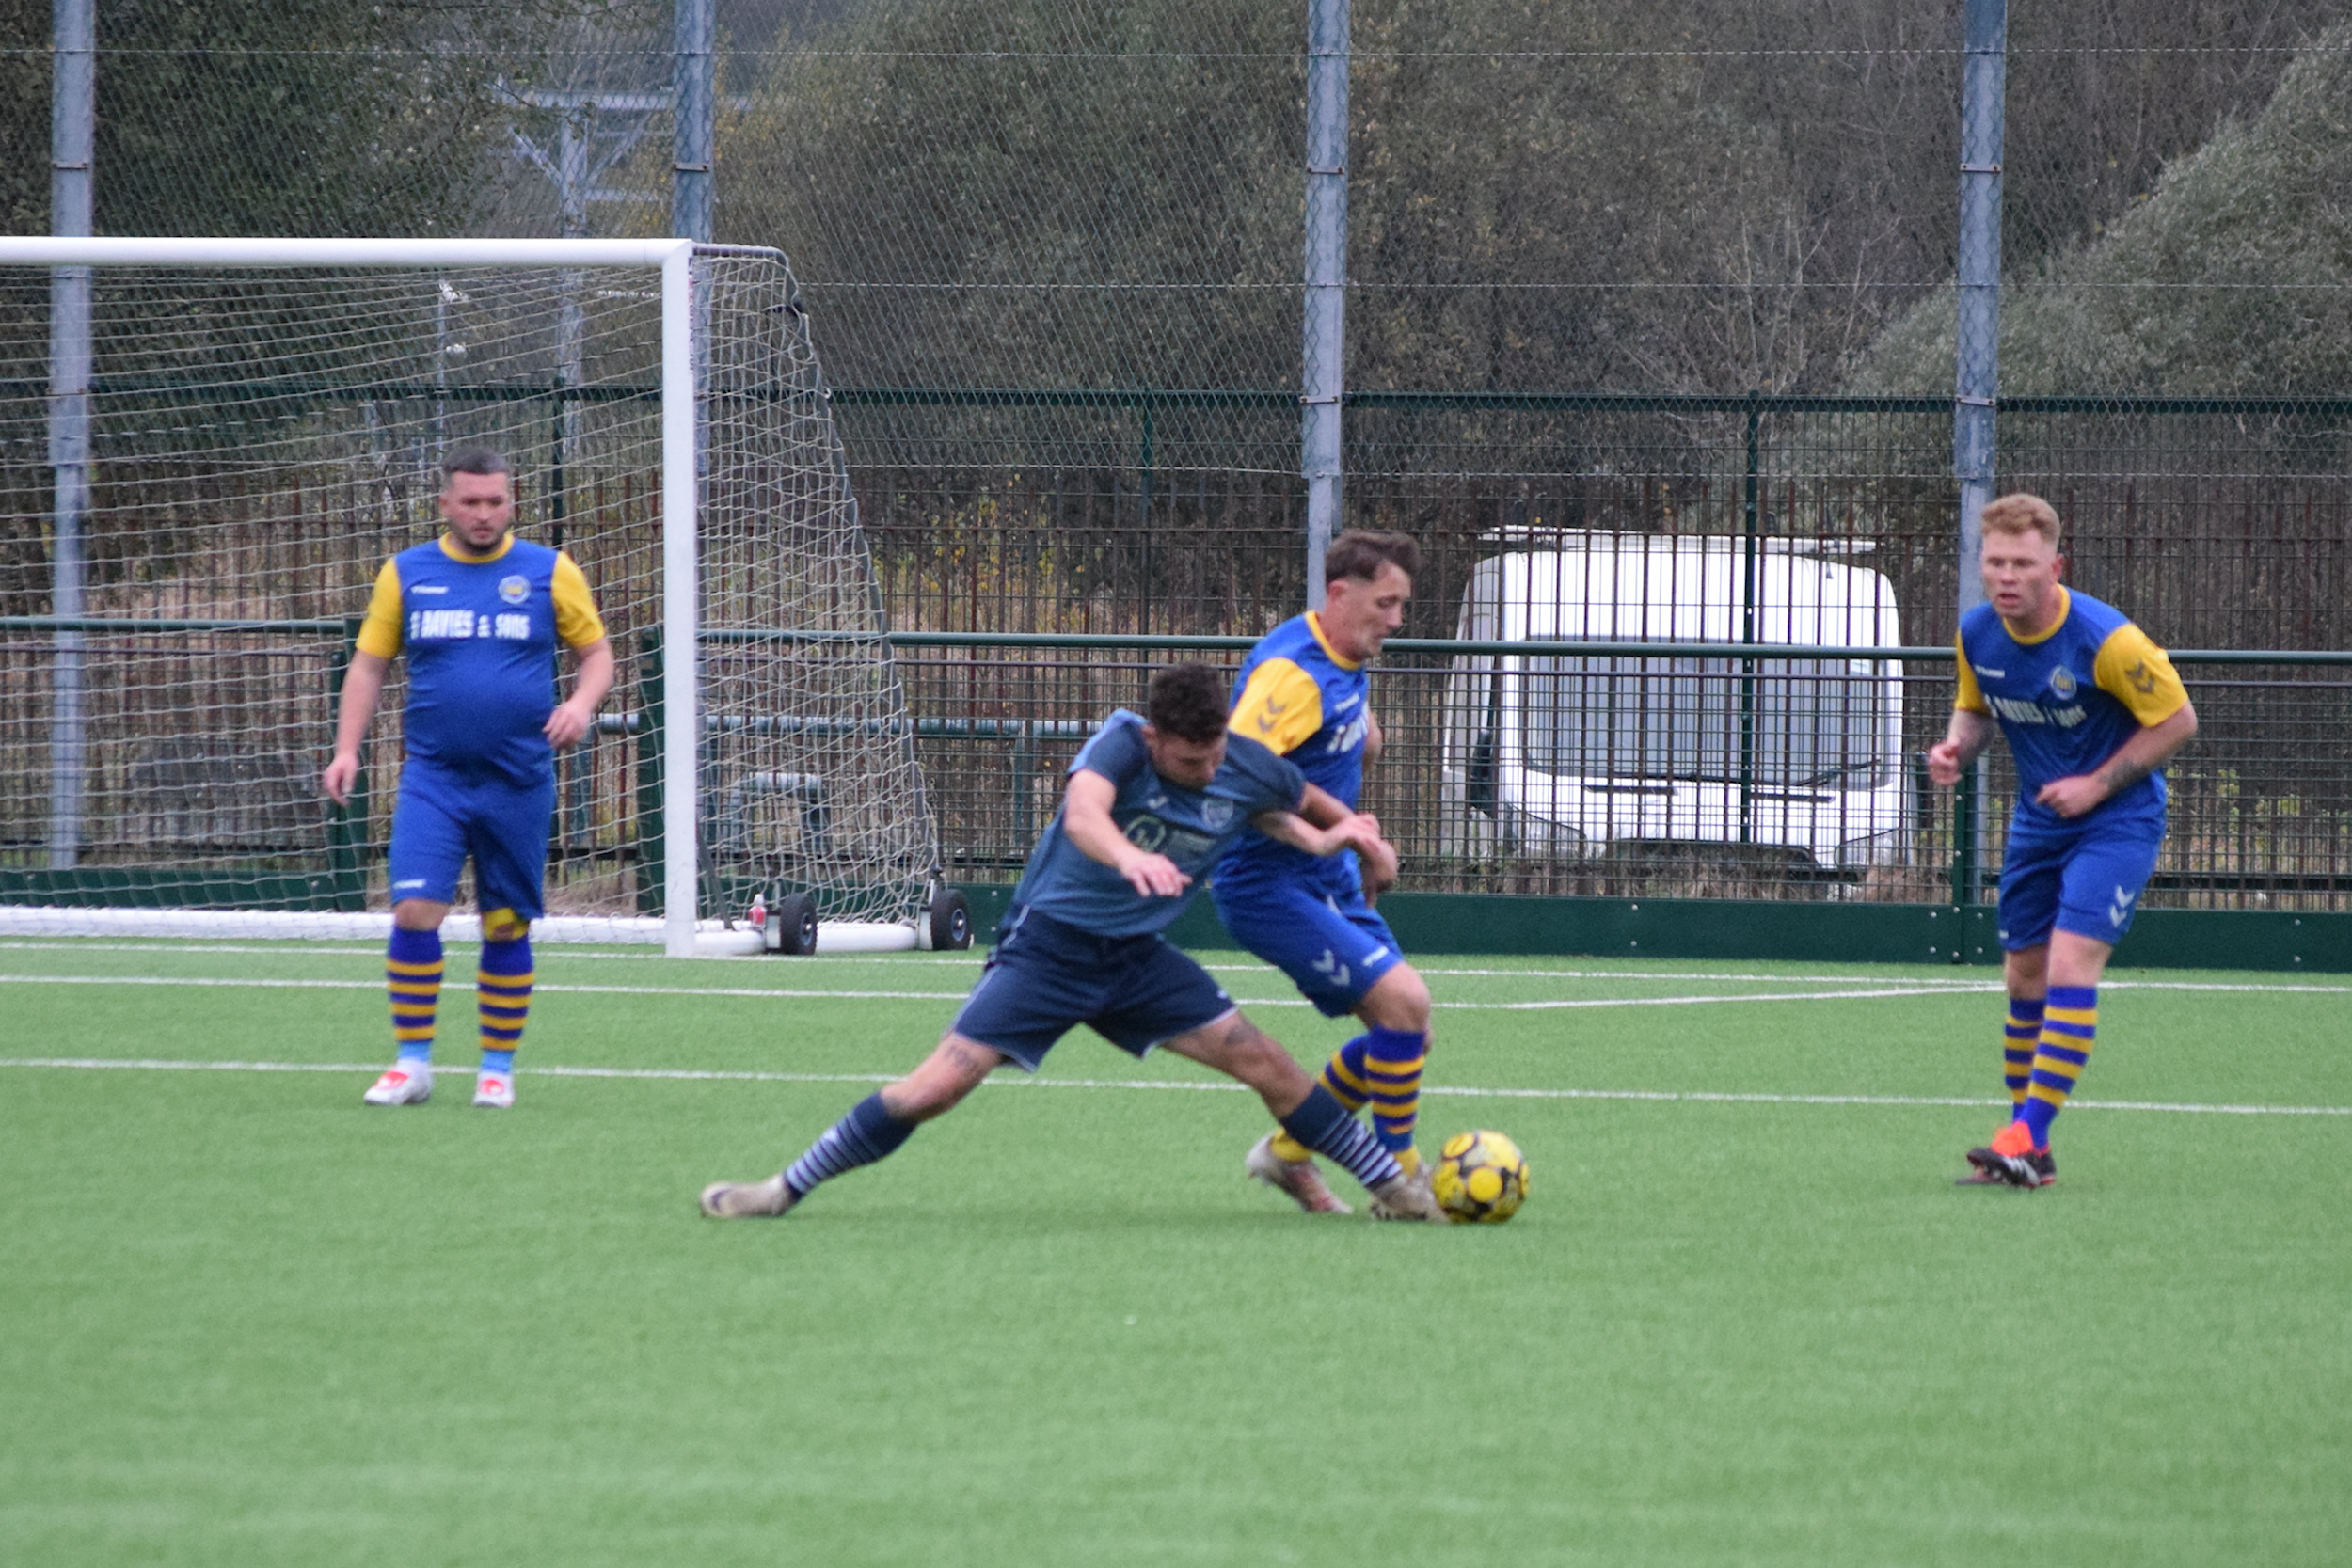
pixel 502 994
pixel 412 975
pixel 872 1131
pixel 1306 1111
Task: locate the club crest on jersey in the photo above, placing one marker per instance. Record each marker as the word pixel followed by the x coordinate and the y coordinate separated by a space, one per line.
pixel 1216 812
pixel 514 590
pixel 2062 682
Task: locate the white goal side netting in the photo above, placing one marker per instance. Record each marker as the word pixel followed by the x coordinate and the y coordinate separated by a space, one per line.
pixel 191 520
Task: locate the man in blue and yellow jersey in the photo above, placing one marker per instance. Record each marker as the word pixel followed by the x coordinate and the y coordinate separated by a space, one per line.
pixel 2092 712
pixel 1304 692
pixel 480 613
pixel 1152 801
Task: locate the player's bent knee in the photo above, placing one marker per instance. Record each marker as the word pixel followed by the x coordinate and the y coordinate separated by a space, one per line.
pixel 503 925
pixel 419 914
pixel 1398 1000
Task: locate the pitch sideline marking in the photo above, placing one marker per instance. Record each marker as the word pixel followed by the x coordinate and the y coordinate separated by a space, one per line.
pixel 152 1064
pixel 1550 1005
pixel 945 961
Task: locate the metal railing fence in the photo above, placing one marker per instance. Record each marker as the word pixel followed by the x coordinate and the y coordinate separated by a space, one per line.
pixel 1609 769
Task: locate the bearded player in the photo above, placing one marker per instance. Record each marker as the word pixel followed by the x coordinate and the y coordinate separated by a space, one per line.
pixel 1304 693
pixel 480 615
pixel 2092 711
pixel 1152 801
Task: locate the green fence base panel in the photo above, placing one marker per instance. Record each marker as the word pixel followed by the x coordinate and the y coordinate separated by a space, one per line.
pixel 179 888
pixel 1469 923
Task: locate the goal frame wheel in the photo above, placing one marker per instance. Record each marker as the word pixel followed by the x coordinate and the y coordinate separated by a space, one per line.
pixel 792 924
pixel 949 921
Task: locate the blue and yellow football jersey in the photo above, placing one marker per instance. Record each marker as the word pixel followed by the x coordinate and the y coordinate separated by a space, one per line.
pixel 481 637
pixel 2068 699
pixel 1297 697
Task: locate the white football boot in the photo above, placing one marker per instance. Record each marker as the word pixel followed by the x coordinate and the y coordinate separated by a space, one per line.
pixel 494 1090
pixel 747 1200
pixel 1297 1181
pixel 404 1082
pixel 1408 1199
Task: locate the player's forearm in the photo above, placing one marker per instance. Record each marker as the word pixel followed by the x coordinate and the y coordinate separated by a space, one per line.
pixel 1085 821
pixel 1969 734
pixel 1321 808
pixel 363 687
pixel 593 681
pixel 2148 751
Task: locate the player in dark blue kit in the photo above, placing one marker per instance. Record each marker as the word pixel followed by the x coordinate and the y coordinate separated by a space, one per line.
pixel 1151 804
pixel 480 615
pixel 1305 692
pixel 2092 711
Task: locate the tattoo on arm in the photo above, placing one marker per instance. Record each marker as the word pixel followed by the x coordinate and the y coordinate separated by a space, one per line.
pixel 2122 773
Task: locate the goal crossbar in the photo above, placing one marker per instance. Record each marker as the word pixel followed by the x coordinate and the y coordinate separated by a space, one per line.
pixel 679 489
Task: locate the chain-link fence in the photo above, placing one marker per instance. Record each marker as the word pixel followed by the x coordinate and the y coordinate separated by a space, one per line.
pixel 1686 276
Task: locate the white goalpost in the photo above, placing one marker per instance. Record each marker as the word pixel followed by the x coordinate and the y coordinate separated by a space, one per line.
pixel 235 433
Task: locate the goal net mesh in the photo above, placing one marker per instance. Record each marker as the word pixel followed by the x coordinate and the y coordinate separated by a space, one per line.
pixel 260 442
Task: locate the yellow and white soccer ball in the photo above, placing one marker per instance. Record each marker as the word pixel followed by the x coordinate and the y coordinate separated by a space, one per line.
pixel 1480 1178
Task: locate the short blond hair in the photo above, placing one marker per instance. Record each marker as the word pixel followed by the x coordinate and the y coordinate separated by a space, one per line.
pixel 2020 513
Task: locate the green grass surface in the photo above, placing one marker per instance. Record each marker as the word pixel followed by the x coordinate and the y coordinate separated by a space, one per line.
pixel 249 1320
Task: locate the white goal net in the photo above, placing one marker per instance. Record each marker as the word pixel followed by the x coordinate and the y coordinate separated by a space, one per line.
pixel 231 438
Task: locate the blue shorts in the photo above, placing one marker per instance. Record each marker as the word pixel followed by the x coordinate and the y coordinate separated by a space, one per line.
pixel 1046 977
pixel 443 816
pixel 1332 944
pixel 2083 877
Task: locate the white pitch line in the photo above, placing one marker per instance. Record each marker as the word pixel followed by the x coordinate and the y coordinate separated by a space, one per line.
pixel 942 961
pixel 1542 1004
pixel 150 1064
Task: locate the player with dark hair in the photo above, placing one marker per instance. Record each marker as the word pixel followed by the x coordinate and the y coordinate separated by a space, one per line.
pixel 1305 693
pixel 480 613
pixel 2092 711
pixel 1151 804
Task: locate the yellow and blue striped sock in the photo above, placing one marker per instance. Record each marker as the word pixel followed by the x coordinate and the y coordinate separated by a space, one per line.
pixel 1344 1075
pixel 2018 1041
pixel 1393 1059
pixel 412 975
pixel 502 991
pixel 2069 1025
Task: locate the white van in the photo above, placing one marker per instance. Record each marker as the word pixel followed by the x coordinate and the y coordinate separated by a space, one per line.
pixel 1796 759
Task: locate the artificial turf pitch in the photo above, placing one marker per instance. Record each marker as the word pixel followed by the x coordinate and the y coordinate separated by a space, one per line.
pixel 248 1320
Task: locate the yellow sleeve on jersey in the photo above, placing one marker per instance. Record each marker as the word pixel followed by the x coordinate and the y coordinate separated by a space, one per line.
pixel 2134 672
pixel 379 634
pixel 1281 707
pixel 1967 698
pixel 576 619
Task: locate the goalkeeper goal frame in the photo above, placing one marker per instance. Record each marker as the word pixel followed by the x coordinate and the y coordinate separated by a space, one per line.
pixel 680 678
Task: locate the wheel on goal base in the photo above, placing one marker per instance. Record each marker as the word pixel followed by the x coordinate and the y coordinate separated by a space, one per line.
pixel 950 919
pixel 792 924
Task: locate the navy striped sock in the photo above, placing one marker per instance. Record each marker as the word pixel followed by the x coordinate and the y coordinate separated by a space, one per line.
pixel 868 1134
pixel 1323 1124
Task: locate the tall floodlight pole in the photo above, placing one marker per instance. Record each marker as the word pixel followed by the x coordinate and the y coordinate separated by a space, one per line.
pixel 1322 362
pixel 1984 81
pixel 72 140
pixel 690 169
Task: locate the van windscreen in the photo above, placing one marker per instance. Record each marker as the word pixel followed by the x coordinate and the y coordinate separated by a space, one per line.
pixel 1782 723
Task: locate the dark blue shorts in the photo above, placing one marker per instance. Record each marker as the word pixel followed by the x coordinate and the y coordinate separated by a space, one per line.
pixel 1332 944
pixel 442 816
pixel 2083 877
pixel 1045 977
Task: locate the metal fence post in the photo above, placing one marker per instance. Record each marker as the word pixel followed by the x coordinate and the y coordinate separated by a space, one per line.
pixel 72 140
pixel 1977 352
pixel 692 140
pixel 1322 362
